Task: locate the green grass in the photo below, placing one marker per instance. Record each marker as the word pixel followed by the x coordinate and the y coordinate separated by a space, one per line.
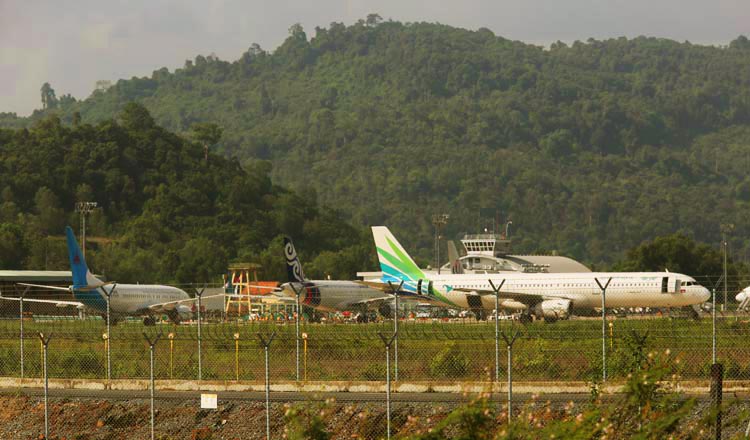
pixel 566 350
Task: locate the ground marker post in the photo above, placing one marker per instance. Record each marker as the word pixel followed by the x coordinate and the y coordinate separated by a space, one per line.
pixel 395 328
pixel 304 340
pixel 45 343
pixel 388 342
pixel 604 326
pixel 266 344
pixel 497 327
pixel 510 339
pixel 199 294
pixel 20 321
pixel 170 336
pixel 237 357
pixel 296 323
pixel 151 344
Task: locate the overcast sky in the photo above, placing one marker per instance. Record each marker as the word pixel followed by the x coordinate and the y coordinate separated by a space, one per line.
pixel 72 44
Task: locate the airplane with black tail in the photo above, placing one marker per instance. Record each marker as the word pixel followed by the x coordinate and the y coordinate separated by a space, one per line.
pixel 333 295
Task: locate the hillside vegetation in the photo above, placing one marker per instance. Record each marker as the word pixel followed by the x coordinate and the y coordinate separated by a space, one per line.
pixel 171 213
pixel 590 148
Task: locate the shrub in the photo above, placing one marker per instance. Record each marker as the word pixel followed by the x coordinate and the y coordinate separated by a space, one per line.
pixel 449 363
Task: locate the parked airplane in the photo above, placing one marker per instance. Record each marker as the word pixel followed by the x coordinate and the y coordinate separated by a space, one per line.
pixel 330 295
pixel 743 298
pixel 90 293
pixel 550 296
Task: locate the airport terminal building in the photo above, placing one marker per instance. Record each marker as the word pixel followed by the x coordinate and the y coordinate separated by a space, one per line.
pixel 9 287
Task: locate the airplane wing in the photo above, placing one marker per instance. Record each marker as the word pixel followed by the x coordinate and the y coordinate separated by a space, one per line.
pixel 372 302
pixel 46 301
pixel 402 294
pixel 66 289
pixel 169 305
pixel 522 297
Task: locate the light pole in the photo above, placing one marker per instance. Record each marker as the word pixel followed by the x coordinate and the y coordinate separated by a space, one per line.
pixel 725 229
pixel 84 209
pixel 438 220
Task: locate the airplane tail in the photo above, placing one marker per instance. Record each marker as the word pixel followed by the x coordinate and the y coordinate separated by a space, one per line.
pixel 453 257
pixel 81 275
pixel 293 266
pixel 395 263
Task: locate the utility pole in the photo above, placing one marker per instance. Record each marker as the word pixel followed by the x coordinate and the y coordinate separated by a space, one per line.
pixel 84 209
pixel 438 220
pixel 725 229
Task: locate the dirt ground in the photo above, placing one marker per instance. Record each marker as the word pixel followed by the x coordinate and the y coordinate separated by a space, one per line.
pixel 22 417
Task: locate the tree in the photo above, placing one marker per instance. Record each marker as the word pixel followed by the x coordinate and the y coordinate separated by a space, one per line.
pixel 208 134
pixel 12 247
pixel 49 101
pixel 373 19
pixel 201 261
pixel 51 216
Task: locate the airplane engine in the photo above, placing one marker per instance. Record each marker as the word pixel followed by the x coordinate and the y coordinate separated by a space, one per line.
pixel 386 310
pixel 180 313
pixel 512 305
pixel 553 309
pixel 424 287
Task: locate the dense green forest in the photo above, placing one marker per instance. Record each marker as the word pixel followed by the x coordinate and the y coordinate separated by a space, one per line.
pixel 590 148
pixel 167 211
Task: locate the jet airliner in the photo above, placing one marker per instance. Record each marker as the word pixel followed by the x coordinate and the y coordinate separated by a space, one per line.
pixel 550 296
pixel 90 293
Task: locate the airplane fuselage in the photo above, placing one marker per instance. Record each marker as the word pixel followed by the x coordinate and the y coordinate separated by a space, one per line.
pixel 129 299
pixel 626 289
pixel 334 296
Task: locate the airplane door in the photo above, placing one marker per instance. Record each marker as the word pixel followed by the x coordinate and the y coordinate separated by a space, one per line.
pixel 664 284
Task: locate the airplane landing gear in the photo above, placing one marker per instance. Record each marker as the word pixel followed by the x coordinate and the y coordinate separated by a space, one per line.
pixel 525 318
pixel 149 321
pixel 113 321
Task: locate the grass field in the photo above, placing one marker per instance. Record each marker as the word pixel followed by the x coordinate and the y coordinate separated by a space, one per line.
pixel 433 351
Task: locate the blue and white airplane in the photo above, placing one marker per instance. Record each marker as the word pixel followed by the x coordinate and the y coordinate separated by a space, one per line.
pixel 90 293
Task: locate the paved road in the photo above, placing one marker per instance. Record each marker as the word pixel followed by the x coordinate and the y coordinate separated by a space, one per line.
pixel 301 397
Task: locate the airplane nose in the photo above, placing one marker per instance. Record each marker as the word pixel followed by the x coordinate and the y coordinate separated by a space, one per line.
pixel 705 294
pixel 741 296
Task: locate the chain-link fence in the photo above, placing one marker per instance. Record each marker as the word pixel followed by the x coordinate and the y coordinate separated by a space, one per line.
pixel 432 354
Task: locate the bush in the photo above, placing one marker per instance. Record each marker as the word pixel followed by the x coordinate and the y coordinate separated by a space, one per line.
pixel 449 363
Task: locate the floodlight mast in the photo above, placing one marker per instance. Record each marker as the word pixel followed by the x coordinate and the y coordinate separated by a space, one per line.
pixel 84 209
pixel 438 220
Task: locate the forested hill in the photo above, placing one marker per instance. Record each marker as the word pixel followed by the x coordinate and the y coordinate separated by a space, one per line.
pixel 589 148
pixel 169 213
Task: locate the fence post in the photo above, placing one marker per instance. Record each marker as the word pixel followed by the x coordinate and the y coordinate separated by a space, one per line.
pixel 20 320
pixel 717 376
pixel 45 344
pixel 497 327
pixel 713 327
pixel 151 344
pixel 395 328
pixel 108 339
pixel 199 294
pixel 387 342
pixel 296 325
pixel 604 327
pixel 510 339
pixel 267 343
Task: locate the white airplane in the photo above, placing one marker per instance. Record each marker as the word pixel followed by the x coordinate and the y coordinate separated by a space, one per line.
pixel 330 295
pixel 743 298
pixel 550 296
pixel 90 293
